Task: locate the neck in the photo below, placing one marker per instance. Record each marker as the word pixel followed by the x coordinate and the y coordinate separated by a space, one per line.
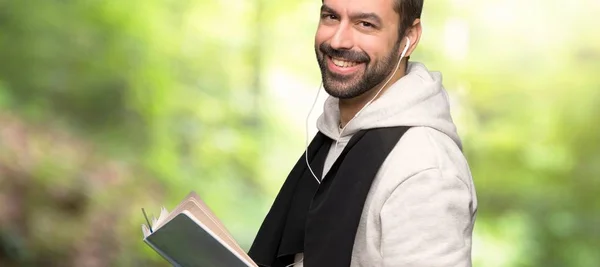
pixel 349 107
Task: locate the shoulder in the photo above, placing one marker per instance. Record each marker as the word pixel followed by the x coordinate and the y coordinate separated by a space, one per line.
pixel 423 149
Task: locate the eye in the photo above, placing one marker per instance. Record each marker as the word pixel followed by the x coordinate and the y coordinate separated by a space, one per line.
pixel 366 24
pixel 327 16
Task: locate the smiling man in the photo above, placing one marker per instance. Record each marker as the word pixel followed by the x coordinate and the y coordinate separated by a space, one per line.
pixel 384 182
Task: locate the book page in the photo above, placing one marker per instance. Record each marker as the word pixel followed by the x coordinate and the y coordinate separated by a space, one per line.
pixel 145 230
pixel 162 218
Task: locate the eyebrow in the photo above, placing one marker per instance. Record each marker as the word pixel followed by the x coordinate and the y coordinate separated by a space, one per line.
pixel 325 8
pixel 354 16
pixel 367 16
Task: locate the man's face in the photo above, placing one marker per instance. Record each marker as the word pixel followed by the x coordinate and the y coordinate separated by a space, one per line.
pixel 356 45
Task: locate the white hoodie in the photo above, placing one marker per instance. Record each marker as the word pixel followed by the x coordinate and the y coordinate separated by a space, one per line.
pixel 421 207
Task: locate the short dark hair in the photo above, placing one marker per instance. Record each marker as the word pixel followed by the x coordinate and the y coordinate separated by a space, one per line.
pixel 409 10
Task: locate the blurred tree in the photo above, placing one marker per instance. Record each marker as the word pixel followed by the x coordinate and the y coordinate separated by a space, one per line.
pixel 132 79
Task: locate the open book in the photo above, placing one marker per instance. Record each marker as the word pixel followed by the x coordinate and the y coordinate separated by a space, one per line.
pixel 192 236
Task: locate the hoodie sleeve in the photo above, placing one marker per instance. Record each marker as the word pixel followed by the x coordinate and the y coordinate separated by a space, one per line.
pixel 427 221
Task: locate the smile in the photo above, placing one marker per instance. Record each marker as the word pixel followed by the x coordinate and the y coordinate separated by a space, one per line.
pixel 343 63
pixel 343 67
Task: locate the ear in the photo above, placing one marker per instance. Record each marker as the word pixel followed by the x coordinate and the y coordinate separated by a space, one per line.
pixel 414 34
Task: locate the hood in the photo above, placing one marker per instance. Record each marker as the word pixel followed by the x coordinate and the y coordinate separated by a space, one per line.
pixel 417 99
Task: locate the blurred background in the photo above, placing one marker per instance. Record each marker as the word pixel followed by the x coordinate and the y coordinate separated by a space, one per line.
pixel 107 107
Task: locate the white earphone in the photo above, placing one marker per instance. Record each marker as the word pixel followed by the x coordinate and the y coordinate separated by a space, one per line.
pixel 388 80
pixel 357 113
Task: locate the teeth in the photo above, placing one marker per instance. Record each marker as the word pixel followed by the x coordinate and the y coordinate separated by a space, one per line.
pixel 343 63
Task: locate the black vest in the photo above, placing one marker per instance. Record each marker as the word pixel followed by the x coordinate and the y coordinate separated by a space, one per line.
pixel 321 220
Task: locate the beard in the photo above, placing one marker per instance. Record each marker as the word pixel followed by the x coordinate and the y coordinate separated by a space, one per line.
pixel 350 86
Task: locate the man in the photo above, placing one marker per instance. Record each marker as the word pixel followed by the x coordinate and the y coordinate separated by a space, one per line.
pixel 384 182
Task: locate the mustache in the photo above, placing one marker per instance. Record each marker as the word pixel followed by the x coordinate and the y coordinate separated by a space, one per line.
pixel 347 55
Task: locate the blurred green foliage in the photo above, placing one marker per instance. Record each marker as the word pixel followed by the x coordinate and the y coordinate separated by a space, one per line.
pixel 110 106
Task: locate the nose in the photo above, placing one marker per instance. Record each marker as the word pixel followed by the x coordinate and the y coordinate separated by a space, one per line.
pixel 342 39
